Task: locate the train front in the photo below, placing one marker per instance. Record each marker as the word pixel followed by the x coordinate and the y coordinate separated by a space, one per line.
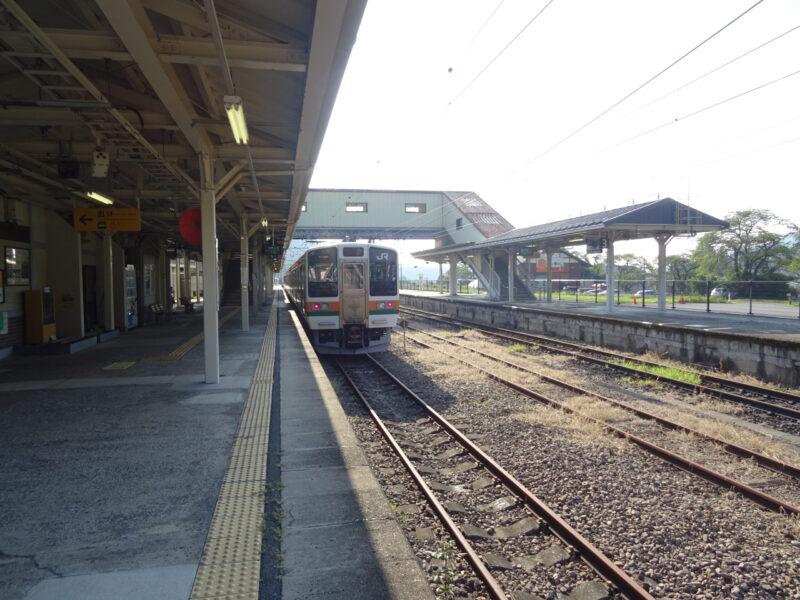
pixel 360 317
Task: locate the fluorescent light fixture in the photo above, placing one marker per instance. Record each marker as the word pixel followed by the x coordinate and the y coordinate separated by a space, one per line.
pixel 235 112
pixel 264 222
pixel 100 198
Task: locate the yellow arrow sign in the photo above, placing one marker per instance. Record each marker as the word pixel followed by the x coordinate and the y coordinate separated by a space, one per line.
pixel 106 219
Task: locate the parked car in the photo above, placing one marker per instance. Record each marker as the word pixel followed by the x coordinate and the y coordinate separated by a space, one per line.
pixel 641 293
pixel 720 291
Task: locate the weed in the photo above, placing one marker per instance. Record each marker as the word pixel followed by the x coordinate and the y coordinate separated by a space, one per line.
pixel 667 372
pixel 355 419
pixel 485 402
pixel 643 382
pixel 444 578
pixel 517 348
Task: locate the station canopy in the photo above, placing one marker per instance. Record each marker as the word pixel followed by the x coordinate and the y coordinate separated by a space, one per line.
pixel 639 221
pixel 122 97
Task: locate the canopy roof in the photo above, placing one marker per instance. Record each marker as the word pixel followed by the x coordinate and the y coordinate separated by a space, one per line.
pixel 145 83
pixel 638 221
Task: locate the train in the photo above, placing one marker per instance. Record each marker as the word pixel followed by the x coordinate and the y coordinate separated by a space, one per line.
pixel 346 295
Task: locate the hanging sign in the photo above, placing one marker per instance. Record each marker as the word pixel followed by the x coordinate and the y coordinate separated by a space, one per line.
pixel 106 219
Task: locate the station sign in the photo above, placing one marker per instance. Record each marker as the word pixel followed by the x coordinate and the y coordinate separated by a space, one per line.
pixel 107 219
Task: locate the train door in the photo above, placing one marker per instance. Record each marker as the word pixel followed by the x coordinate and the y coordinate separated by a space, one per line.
pixel 354 294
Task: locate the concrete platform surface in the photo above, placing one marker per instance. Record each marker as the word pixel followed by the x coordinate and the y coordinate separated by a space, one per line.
pixel 340 539
pixel 114 463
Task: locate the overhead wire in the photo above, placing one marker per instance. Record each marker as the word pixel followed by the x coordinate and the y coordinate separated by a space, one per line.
pixel 722 66
pixel 499 54
pixel 702 110
pixel 637 89
pixel 475 37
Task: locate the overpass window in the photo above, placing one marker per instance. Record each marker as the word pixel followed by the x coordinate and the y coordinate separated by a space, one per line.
pixel 415 207
pixel 459 223
pixel 354 207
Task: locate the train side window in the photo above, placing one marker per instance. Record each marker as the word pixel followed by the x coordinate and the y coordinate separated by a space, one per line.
pixel 323 280
pixel 382 272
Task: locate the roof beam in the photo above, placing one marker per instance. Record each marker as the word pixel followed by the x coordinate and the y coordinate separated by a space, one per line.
pixel 177 49
pixel 127 25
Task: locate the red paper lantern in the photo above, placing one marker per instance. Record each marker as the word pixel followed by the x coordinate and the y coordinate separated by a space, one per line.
pixel 189 226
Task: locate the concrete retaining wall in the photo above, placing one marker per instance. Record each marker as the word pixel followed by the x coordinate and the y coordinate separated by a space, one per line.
pixel 771 360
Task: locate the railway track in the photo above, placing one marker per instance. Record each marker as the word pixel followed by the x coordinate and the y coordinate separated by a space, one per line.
pixel 515 522
pixel 763 499
pixel 767 399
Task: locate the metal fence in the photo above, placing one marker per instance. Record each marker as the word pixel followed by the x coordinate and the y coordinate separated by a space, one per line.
pixel 763 298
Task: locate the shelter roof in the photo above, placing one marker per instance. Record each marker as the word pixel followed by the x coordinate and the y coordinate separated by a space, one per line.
pixel 665 216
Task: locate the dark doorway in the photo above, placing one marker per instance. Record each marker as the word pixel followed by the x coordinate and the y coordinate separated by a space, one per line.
pixel 89 297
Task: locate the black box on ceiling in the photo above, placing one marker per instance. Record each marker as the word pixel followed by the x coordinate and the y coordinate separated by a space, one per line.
pixel 69 169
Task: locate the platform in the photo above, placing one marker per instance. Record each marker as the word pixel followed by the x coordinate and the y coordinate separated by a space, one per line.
pixel 126 477
pixel 765 347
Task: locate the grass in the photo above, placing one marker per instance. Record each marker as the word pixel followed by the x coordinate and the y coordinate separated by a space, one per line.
pixel 577 428
pixel 517 348
pixel 668 372
pixel 485 402
pixel 643 382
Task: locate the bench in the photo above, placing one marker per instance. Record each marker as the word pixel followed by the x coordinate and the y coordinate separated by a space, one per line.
pixel 157 311
pixel 188 305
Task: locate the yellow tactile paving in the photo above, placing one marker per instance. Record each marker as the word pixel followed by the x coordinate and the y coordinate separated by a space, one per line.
pixel 231 564
pixel 119 366
pixel 181 350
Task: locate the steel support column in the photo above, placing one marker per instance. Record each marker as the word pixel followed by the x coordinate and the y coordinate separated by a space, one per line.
pixel 210 268
pixel 512 259
pixel 243 271
pixel 610 274
pixel 453 275
pixel 549 283
pixel 108 282
pixel 662 239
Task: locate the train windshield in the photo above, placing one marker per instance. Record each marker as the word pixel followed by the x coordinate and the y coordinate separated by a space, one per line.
pixel 382 272
pixel 323 280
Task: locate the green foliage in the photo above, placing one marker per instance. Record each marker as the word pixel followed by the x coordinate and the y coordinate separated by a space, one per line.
pixel 667 372
pixel 753 248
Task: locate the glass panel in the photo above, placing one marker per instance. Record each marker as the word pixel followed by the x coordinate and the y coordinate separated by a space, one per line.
pixel 323 279
pixel 353 276
pixel 382 272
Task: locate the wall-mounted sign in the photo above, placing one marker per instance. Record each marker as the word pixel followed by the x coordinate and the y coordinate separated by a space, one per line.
pixel 107 219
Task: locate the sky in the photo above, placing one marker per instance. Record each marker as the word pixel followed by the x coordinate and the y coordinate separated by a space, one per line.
pixel 586 107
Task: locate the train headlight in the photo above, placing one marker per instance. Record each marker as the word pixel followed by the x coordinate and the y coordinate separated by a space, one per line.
pixel 325 306
pixel 322 306
pixel 381 305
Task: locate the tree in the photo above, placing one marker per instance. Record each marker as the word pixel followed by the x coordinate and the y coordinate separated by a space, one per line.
pixel 753 248
pixel 680 267
pixel 630 266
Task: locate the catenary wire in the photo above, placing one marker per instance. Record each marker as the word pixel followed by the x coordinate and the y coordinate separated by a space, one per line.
pixel 639 88
pixel 482 71
pixel 480 30
pixel 702 110
pixel 722 66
